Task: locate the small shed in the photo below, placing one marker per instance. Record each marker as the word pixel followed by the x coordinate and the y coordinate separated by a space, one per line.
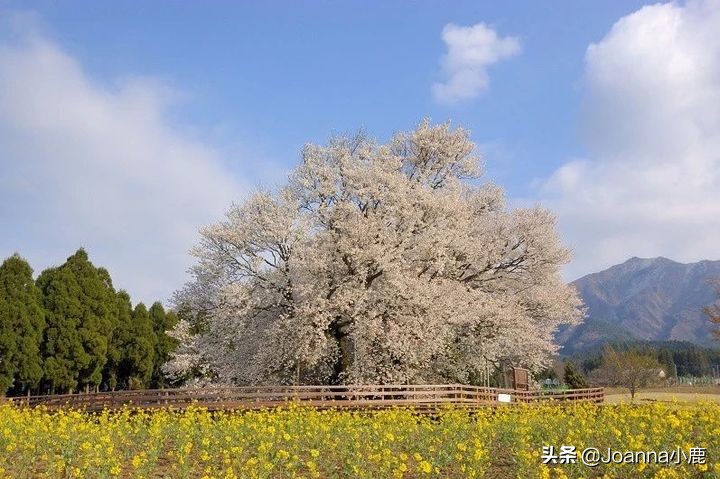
pixel 516 378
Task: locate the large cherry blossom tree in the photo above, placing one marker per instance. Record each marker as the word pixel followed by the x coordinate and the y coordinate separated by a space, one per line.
pixel 376 263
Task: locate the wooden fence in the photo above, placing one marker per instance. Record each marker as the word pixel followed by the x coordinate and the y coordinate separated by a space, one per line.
pixel 424 397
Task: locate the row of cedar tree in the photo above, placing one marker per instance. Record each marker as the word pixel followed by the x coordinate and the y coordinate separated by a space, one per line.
pixel 70 330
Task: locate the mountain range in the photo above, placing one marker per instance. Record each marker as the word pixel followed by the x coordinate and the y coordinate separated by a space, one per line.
pixel 648 299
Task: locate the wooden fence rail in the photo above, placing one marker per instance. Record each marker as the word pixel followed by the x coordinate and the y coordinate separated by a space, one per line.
pixel 422 397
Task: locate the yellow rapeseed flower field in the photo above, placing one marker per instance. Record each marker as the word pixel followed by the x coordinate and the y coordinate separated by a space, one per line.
pixel 297 442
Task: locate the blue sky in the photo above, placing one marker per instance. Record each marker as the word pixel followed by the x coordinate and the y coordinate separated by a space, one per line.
pixel 185 106
pixel 270 76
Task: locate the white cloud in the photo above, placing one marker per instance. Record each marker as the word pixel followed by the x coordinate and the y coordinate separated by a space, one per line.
pixel 651 183
pixel 83 164
pixel 471 50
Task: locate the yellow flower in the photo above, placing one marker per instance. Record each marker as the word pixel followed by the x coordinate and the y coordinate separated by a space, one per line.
pixel 425 467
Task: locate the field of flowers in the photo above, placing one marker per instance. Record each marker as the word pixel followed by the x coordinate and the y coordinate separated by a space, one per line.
pixel 299 442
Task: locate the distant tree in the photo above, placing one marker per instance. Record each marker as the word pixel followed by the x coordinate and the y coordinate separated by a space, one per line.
pixel 699 365
pixel 545 373
pixel 22 322
pixel 163 322
pixel 677 358
pixel 81 314
pixel 572 377
pixel 665 358
pixel 629 369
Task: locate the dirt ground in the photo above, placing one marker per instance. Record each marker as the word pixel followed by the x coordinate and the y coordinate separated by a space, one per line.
pixel 666 394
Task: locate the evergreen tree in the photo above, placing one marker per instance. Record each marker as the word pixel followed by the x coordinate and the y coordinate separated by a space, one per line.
pixel 62 347
pixel 698 362
pixel 665 358
pixel 8 348
pixel 117 370
pixel 573 378
pixel 21 326
pixel 81 312
pixel 162 322
pixel 141 349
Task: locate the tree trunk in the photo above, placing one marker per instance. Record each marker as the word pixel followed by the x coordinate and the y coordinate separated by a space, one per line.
pixel 342 364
